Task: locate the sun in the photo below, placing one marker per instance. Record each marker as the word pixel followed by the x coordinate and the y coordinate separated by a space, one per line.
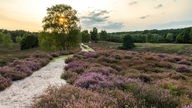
pixel 62 20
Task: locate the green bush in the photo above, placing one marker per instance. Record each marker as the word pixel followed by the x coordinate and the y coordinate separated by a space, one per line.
pixel 128 42
pixel 5 40
pixel 29 41
pixel 58 41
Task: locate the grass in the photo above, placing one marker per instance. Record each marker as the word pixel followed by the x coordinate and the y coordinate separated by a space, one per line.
pixel 9 54
pixel 64 56
pixel 170 48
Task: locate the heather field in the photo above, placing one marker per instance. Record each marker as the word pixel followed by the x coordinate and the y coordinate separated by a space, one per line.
pixel 95 54
pixel 170 48
pixel 122 79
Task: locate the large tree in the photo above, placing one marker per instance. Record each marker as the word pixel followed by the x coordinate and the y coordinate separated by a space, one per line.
pixel 61 30
pixel 61 19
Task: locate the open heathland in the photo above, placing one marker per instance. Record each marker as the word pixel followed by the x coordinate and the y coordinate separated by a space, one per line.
pixel 126 78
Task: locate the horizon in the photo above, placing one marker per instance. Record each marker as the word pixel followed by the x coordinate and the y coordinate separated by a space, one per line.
pixel 106 15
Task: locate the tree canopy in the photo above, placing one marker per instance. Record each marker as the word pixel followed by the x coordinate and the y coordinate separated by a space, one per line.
pixel 61 19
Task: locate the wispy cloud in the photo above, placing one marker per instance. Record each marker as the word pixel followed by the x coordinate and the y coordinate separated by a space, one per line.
pixel 133 2
pixel 158 6
pixel 144 17
pixel 99 19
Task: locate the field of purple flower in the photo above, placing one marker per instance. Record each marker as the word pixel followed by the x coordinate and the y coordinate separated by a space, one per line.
pixel 21 68
pixel 123 79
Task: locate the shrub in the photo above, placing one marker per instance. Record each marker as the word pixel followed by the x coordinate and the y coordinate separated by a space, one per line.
pixel 9 72
pixel 39 54
pixel 151 96
pixel 76 64
pixel 93 81
pixel 124 99
pixel 29 41
pixel 103 70
pixel 183 68
pixel 128 42
pixel 4 83
pixel 72 97
pixel 69 76
pixel 184 62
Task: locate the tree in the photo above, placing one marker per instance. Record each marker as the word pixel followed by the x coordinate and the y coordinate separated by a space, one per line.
pixel 94 35
pixel 19 39
pixel 61 30
pixel 183 37
pixel 103 35
pixel 1 37
pixel 29 41
pixel 170 37
pixel 85 36
pixel 60 19
pixel 128 42
pixel 5 40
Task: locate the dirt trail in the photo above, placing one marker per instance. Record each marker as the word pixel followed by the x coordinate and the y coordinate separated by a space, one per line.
pixel 21 93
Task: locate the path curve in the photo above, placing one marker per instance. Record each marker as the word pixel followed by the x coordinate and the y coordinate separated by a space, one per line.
pixel 21 93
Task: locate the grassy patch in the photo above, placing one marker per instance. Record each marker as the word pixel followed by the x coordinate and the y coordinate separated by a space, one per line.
pixel 178 49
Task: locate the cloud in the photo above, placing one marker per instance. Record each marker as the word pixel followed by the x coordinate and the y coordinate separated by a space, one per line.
pixel 133 2
pixel 158 6
pixel 113 25
pixel 173 24
pixel 99 19
pixel 144 17
pixel 96 16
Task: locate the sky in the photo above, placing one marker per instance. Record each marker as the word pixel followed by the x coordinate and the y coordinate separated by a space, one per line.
pixel 109 15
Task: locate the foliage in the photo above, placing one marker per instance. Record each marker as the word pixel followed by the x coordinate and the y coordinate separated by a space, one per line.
pixel 4 83
pixel 103 35
pixel 19 39
pixel 60 19
pixel 5 40
pixel 72 97
pixel 94 35
pixel 183 35
pixel 85 36
pixel 58 41
pixel 128 42
pixel 170 37
pixel 29 41
pixel 133 79
pixel 61 29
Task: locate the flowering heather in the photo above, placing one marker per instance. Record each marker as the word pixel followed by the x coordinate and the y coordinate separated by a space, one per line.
pixel 103 70
pixel 93 81
pixel 88 54
pixel 75 64
pixel 11 73
pixel 187 106
pixel 4 83
pixel 184 62
pixel 72 97
pixel 39 54
pixel 132 78
pixel 68 60
pixel 55 54
pixel 124 99
pixel 152 96
pixel 183 68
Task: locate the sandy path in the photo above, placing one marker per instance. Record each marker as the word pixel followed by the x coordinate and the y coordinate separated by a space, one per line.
pixel 21 93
